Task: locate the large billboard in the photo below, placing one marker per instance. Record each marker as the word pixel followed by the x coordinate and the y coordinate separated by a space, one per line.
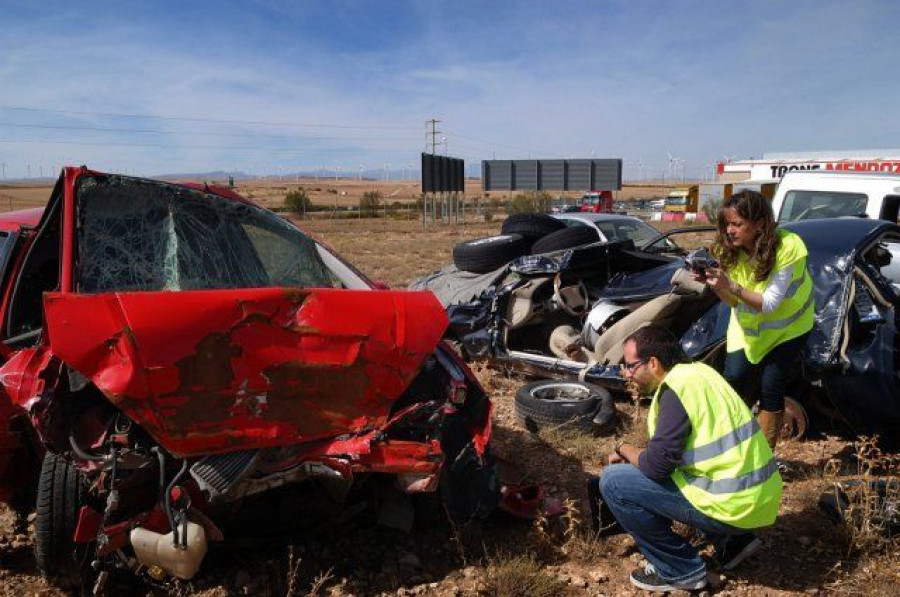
pixel 442 174
pixel 551 175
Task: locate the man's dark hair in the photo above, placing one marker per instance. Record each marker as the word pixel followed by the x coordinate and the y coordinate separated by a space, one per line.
pixel 655 341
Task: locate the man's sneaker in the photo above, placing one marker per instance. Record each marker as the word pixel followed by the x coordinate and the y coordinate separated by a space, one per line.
pixel 737 549
pixel 649 580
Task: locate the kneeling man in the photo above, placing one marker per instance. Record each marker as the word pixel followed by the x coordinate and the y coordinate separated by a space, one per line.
pixel 707 464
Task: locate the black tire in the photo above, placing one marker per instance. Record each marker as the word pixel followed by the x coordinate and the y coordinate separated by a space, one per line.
pixel 61 493
pixel 531 226
pixel 568 238
pixel 483 255
pixel 572 404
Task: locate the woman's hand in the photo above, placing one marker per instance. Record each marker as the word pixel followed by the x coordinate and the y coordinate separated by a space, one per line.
pixel 718 280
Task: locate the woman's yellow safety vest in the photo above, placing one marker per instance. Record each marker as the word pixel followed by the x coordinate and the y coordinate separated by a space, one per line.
pixel 757 333
pixel 728 471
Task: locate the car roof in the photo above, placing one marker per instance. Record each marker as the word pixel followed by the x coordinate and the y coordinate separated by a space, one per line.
pixel 595 217
pixel 838 235
pixel 13 220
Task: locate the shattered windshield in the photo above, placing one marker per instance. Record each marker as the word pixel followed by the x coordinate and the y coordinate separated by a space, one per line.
pixel 139 235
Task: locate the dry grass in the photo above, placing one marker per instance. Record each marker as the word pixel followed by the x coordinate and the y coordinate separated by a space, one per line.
pixel 572 442
pixel 519 575
pixel 396 252
pixel 871 517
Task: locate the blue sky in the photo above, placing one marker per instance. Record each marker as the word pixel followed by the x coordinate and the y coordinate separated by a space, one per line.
pixel 268 86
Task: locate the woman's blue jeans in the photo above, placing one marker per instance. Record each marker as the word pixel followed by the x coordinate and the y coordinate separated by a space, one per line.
pixel 646 508
pixel 772 372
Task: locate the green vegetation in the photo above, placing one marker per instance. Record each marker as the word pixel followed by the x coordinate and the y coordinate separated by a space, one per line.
pixel 369 204
pixel 711 208
pixel 298 202
pixel 532 202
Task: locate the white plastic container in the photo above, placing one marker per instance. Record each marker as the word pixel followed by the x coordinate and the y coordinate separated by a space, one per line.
pixel 154 549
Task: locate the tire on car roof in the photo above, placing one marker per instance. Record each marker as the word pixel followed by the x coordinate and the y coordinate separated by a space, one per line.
pixel 531 226
pixel 570 404
pixel 567 238
pixel 483 255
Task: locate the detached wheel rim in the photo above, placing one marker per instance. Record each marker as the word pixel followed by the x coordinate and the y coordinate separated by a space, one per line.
pixel 795 422
pixel 562 392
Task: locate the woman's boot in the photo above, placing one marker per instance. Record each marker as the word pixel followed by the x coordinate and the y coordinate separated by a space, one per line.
pixel 770 423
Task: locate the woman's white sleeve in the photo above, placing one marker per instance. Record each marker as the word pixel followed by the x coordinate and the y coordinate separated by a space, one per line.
pixel 776 289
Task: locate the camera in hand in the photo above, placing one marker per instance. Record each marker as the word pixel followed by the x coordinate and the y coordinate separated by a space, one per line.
pixel 700 260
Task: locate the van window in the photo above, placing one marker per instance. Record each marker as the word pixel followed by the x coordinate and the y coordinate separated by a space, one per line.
pixel 811 205
pixel 890 208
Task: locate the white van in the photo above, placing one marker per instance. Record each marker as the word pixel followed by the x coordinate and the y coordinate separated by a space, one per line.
pixel 812 194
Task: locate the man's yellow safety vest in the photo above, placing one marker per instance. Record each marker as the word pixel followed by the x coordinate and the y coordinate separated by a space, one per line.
pixel 757 333
pixel 728 471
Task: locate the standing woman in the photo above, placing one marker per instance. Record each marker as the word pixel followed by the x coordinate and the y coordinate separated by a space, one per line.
pixel 764 278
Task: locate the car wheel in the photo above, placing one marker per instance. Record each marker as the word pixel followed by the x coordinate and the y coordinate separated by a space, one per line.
pixel 568 238
pixel 572 404
pixel 795 422
pixel 61 493
pixel 531 226
pixel 483 255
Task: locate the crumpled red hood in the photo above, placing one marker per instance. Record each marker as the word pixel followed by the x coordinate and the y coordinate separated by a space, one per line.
pixel 208 371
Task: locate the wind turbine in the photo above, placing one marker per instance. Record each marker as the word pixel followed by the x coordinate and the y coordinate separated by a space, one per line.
pixel 671 166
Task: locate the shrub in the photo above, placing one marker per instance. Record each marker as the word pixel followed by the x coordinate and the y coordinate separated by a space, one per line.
pixel 535 202
pixel 298 202
pixel 711 208
pixel 369 203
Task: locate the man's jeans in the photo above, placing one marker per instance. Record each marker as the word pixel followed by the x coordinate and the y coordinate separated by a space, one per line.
pixel 646 508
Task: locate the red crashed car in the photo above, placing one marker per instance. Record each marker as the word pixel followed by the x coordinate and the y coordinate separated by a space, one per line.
pixel 173 353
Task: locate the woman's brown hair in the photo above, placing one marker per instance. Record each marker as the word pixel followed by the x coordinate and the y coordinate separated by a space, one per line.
pixel 752 206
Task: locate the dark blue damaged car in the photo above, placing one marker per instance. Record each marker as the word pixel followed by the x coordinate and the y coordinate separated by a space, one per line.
pixel 550 318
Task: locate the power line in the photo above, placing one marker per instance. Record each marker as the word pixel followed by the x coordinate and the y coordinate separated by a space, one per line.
pixel 178 146
pixel 194 119
pixel 492 143
pixel 204 133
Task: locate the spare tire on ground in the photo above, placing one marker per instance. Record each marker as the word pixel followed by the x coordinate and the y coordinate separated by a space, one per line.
pixel 567 238
pixel 570 404
pixel 531 226
pixel 483 255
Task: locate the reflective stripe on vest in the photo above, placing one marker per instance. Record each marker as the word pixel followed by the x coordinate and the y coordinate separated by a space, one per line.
pixel 745 481
pixel 790 292
pixel 721 445
pixel 781 323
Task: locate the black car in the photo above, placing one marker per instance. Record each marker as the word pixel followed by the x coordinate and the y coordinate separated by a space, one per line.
pixel 566 315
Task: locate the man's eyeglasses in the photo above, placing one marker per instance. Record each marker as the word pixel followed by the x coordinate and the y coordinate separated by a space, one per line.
pixel 632 367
